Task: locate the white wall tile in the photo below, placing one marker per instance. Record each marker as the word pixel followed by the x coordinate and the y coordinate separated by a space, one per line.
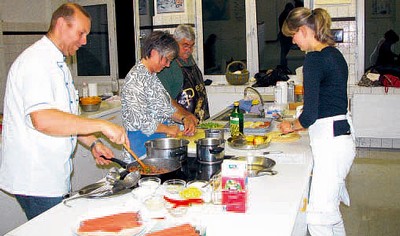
pixel 387 143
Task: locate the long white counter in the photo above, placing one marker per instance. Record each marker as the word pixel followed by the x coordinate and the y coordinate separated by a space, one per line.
pixel 275 203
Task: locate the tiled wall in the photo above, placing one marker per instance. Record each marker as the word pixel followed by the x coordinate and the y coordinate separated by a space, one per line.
pixel 12 45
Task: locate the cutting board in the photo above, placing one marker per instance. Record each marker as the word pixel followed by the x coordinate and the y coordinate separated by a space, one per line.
pixel 198 135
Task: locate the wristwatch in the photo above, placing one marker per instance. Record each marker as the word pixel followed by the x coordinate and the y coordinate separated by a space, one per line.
pixel 94 143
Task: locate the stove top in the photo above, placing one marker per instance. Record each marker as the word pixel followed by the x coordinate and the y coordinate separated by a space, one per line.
pixel 194 170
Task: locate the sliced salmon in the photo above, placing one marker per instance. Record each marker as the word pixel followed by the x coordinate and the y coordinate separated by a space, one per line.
pixel 111 223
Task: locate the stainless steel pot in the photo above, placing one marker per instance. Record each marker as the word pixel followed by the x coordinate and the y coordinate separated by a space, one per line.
pixel 214 133
pixel 171 148
pixel 210 150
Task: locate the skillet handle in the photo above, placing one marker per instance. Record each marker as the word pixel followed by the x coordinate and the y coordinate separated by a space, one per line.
pixel 123 164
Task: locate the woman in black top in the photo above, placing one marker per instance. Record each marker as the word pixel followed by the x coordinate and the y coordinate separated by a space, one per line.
pixel 325 75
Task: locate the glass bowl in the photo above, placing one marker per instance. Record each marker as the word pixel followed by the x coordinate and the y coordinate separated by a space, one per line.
pixel 174 186
pixel 177 211
pixel 154 203
pixel 150 182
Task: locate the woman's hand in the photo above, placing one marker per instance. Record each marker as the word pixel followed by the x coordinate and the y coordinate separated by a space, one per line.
pixel 189 126
pixel 285 127
pixel 173 130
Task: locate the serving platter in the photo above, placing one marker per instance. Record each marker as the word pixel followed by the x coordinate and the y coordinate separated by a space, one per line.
pixel 255 125
pixel 243 144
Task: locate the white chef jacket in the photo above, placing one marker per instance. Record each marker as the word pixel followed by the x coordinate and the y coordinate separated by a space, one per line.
pixel 34 163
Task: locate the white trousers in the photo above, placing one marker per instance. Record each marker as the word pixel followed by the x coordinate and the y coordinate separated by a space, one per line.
pixel 333 157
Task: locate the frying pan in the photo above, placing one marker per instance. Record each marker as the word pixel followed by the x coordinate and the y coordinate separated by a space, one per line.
pixel 258 165
pixel 171 167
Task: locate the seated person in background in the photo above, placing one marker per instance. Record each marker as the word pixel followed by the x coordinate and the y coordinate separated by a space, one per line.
pixel 386 56
pixel 183 79
pixel 147 107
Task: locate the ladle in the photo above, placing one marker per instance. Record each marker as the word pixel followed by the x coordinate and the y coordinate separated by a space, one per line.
pixel 145 168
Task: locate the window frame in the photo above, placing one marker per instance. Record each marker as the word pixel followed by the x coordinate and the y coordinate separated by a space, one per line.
pixel 112 47
pixel 251 39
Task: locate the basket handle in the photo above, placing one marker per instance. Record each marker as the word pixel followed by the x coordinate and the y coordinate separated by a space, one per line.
pixel 233 62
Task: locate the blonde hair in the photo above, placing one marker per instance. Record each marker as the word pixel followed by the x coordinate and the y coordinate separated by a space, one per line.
pixel 318 20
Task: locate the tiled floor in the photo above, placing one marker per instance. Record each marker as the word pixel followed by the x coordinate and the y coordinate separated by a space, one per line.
pixel 374 188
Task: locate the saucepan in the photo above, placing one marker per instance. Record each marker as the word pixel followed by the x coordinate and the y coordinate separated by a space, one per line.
pixel 258 165
pixel 166 168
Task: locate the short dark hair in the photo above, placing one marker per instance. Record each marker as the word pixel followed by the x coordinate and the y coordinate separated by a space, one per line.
pixel 163 42
pixel 67 11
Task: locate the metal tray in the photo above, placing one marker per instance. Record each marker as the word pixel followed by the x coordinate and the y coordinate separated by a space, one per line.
pixel 255 130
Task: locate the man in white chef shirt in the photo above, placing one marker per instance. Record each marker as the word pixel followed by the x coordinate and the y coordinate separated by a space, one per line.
pixel 41 124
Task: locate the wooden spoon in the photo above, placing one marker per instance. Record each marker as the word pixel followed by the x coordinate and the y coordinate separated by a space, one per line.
pixel 145 168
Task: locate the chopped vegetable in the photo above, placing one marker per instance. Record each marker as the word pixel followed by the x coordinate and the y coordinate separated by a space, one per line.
pixel 210 125
pixel 190 192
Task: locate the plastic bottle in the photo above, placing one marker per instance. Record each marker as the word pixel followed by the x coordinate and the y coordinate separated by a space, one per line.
pixel 284 87
pixel 236 120
pixel 290 93
pixel 85 90
pixel 115 86
pixel 278 95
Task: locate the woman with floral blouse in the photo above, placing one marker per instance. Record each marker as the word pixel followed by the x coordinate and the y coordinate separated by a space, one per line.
pixel 147 111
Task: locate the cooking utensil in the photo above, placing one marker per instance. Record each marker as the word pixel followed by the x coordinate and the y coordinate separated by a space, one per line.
pixel 87 189
pixel 105 189
pixel 214 133
pixel 136 157
pixel 255 170
pixel 170 165
pixel 113 175
pixel 242 144
pixel 256 165
pixel 175 148
pixel 210 150
pixel 272 152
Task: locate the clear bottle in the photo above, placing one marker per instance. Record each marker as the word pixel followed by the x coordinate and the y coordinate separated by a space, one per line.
pixel 290 94
pixel 278 95
pixel 85 90
pixel 114 86
pixel 236 120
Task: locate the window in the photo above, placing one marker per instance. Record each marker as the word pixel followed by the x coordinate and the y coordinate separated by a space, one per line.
pixel 243 30
pixel 96 61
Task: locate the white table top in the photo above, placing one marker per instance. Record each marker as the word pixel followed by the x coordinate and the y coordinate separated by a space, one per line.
pixel 273 201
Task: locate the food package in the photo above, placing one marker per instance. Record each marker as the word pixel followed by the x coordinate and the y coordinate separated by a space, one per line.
pixel 234 185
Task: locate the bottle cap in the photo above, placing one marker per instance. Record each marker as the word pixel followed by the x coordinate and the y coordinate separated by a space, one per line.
pixel 236 103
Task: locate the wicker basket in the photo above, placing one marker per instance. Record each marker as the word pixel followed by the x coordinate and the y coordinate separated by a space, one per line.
pixel 236 78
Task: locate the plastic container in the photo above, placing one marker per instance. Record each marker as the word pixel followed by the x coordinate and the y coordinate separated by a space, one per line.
pixel 282 99
pixel 290 92
pixel 85 90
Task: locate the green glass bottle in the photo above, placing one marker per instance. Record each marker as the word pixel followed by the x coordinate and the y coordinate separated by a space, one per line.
pixel 236 121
